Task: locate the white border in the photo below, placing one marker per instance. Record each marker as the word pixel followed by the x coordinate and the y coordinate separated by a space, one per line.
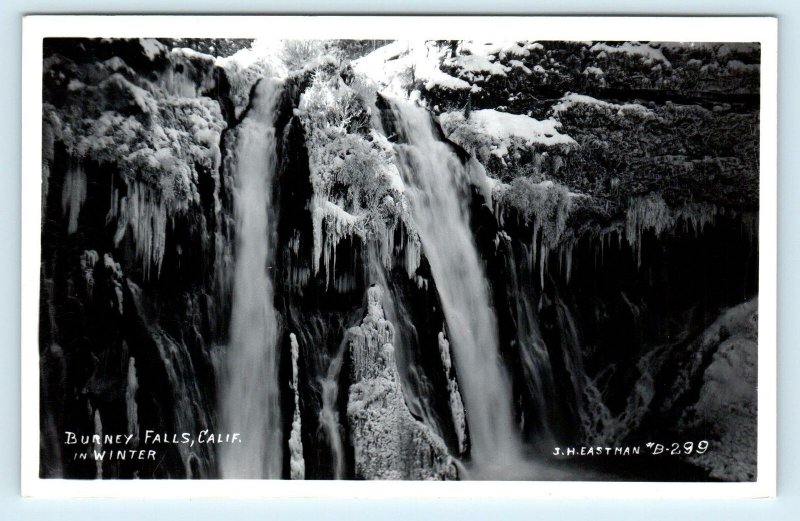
pixel 708 29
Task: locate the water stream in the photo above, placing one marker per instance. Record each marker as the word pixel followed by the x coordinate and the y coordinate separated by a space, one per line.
pixel 436 180
pixel 250 394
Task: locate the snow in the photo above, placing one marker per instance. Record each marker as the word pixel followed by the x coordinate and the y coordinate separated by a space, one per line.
pixel 477 63
pixel 372 203
pixel 593 71
pixel 739 66
pixel 75 84
pixel 152 47
pixel 394 68
pixel 489 131
pixel 571 100
pixel 650 54
pixel 503 126
pixel 116 64
pixel 519 65
pixel 728 397
pixel 502 48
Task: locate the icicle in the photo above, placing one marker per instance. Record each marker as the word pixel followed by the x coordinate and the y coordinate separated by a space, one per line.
pixel 73 195
pixel 98 445
pixel 387 246
pixel 646 213
pixel 651 213
pixel 297 465
pixel 116 277
pixel 413 256
pixel 542 263
pixel 130 402
pixel 568 253
pixel 142 211
pixel 88 261
pixel 456 404
pixel 337 224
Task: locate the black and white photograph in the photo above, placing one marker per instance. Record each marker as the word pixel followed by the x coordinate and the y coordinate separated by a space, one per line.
pixel 398 259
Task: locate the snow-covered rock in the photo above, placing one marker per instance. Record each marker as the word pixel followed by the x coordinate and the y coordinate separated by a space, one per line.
pixel 159 132
pixel 728 399
pixel 497 130
pixel 357 188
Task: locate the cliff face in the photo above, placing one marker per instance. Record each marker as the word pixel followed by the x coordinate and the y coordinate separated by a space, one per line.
pixel 609 194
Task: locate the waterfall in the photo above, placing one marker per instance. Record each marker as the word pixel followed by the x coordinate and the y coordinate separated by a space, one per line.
pixel 250 395
pixel 436 183
pixel 329 414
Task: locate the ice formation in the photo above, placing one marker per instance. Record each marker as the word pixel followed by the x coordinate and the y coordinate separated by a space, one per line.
pixel 73 196
pixel 297 465
pixel 456 404
pixel 160 135
pixel 388 442
pixel 357 187
pixel 98 444
pixel 651 214
pixel 130 400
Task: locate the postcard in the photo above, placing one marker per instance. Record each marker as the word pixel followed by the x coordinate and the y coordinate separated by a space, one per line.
pixel 399 257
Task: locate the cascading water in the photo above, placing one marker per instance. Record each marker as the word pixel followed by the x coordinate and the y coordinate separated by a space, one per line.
pixel 435 180
pixel 535 359
pixel 250 395
pixel 329 414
